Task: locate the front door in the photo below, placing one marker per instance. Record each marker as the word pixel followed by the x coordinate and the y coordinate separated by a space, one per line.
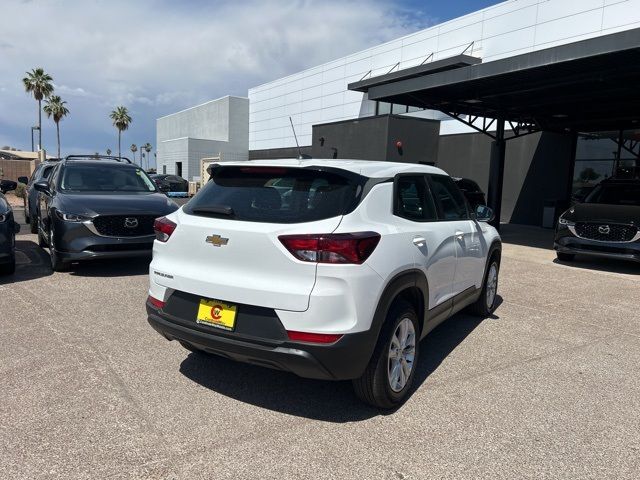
pixel 465 233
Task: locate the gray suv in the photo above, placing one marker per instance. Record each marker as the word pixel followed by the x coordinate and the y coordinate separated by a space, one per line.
pixel 41 173
pixel 98 207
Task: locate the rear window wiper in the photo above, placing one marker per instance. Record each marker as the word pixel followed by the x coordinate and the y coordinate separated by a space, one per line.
pixel 225 210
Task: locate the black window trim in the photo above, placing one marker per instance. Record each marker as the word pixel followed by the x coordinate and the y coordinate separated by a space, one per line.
pixel 396 197
pixel 437 202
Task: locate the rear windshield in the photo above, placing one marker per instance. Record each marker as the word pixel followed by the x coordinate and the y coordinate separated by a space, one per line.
pixel 615 194
pixel 277 195
pixel 105 178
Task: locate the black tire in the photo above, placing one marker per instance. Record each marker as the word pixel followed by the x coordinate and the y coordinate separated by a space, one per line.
pixel 486 304
pixel 374 386
pixel 565 257
pixel 42 242
pixel 57 264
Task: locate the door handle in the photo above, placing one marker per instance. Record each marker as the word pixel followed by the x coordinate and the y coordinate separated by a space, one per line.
pixel 459 235
pixel 419 241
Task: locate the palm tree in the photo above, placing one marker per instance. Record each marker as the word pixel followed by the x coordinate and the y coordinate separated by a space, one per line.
pixel 55 107
pixel 40 85
pixel 134 149
pixel 121 120
pixel 108 151
pixel 147 148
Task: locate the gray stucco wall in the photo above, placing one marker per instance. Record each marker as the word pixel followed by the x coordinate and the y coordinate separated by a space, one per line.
pixel 374 138
pixel 537 168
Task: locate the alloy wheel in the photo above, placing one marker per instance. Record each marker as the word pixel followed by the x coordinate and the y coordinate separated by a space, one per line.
pixel 402 352
pixel 492 285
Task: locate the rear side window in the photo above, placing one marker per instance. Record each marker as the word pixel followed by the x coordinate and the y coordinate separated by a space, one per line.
pixel 413 200
pixel 449 198
pixel 276 195
pixel 46 172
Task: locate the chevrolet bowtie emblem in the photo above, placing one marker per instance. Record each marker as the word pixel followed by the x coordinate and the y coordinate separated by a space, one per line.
pixel 217 240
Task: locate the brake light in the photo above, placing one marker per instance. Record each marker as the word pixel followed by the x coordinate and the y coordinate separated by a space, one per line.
pixel 155 302
pixel 352 248
pixel 163 228
pixel 313 337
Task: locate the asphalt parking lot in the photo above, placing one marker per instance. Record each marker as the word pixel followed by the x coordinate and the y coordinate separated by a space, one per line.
pixel 547 388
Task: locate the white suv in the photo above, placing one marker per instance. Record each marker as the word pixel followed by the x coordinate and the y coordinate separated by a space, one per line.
pixel 330 269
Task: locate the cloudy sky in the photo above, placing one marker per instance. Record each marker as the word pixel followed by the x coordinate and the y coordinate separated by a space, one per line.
pixel 160 56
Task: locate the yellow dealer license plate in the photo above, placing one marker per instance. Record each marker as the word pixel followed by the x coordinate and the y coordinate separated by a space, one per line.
pixel 217 314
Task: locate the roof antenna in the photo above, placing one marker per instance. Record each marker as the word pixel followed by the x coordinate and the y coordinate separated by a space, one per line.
pixel 300 155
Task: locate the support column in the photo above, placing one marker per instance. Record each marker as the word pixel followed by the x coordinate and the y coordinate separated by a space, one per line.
pixel 496 172
pixel 571 167
pixel 619 154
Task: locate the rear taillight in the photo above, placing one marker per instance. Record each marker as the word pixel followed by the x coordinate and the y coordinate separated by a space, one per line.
pixel 313 337
pixel 332 248
pixel 163 228
pixel 155 302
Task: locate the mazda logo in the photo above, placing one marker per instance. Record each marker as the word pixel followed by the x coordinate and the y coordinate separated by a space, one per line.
pixel 604 229
pixel 131 222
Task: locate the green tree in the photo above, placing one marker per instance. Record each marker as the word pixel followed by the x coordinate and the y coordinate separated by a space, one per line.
pixel 121 120
pixel 55 107
pixel 134 149
pixel 40 85
pixel 147 148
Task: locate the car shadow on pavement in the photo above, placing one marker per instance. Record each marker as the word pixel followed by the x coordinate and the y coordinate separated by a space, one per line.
pixel 315 399
pixel 120 267
pixel 31 262
pixel 602 265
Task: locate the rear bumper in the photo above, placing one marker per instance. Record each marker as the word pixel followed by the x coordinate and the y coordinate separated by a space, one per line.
pixel 567 243
pixel 343 360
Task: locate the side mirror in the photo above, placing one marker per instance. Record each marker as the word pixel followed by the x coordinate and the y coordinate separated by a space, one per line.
pixel 7 186
pixel 164 188
pixel 23 180
pixel 42 187
pixel 484 213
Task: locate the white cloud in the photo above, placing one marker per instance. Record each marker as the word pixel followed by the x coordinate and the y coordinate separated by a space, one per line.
pixel 160 56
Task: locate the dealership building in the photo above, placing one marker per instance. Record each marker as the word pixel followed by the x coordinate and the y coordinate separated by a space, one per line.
pixel 535 100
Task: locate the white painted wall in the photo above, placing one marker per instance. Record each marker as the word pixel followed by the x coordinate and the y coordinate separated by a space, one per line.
pixel 320 95
pixel 218 126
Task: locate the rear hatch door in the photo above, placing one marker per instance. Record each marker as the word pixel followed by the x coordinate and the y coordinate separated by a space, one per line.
pixel 226 244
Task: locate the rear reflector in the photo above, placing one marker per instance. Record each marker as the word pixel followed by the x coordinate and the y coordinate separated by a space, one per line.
pixel 313 337
pixel 155 302
pixel 163 227
pixel 352 248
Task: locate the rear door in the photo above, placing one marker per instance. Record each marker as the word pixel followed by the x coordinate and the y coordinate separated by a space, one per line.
pixel 226 245
pixel 433 243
